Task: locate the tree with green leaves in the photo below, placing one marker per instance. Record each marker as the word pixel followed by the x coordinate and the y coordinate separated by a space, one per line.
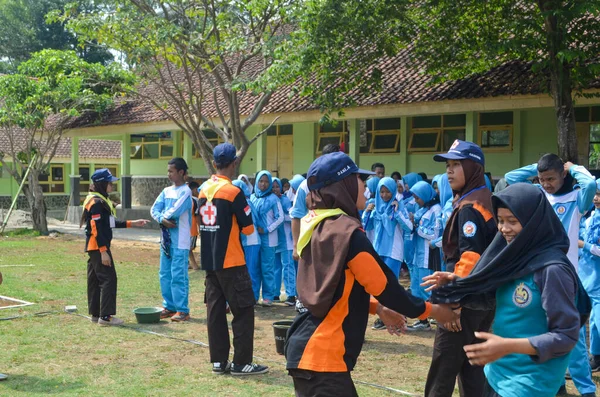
pixel 202 63
pixel 456 39
pixel 36 105
pixel 24 31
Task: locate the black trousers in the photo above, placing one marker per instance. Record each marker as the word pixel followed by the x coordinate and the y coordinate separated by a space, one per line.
pixel 322 384
pixel 450 360
pixel 231 286
pixel 101 286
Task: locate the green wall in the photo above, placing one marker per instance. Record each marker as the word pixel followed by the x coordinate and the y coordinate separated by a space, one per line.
pixel 539 134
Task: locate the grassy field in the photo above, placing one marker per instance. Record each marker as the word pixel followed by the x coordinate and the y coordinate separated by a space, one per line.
pixel 64 354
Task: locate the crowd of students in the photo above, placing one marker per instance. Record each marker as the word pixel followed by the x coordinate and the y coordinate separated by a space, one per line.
pixel 521 262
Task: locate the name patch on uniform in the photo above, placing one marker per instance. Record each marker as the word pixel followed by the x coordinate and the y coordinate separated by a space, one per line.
pixel 522 295
pixel 209 214
pixel 247 210
pixel 96 217
pixel 561 209
pixel 469 229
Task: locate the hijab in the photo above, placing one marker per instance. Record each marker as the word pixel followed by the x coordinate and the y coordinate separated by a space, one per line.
pixel 488 183
pixel 444 189
pixel 263 193
pixel 296 181
pixel 372 183
pixel 278 181
pixel 436 180
pixel 411 179
pixel 385 209
pixel 541 242
pixel 244 178
pixel 320 267
pixel 473 193
pixel 424 191
pixel 593 230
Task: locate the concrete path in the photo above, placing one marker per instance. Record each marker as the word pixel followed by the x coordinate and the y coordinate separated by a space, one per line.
pixel 133 234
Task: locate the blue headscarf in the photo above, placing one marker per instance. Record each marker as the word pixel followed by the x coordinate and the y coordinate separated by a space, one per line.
pixel 296 181
pixel 488 183
pixel 278 181
pixel 263 193
pixel 411 179
pixel 424 191
pixel 436 180
pixel 242 185
pixel 593 232
pixel 445 189
pixel 385 210
pixel 372 183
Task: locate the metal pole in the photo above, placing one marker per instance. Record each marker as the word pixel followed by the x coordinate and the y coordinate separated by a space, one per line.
pixel 14 202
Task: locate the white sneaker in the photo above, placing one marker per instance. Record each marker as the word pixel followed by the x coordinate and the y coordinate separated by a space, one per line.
pixel 3 377
pixel 112 321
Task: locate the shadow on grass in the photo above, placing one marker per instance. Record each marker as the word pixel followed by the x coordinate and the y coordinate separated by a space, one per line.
pixel 275 313
pixel 33 384
pixel 397 347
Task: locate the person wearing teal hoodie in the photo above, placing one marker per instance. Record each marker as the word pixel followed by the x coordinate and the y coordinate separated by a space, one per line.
pixel 283 255
pixel 269 218
pixel 426 229
pixel 368 218
pixel 251 243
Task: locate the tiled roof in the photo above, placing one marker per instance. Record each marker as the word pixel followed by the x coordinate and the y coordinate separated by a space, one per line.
pixel 403 83
pixel 88 148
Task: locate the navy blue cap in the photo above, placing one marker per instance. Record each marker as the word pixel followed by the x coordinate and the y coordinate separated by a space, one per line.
pixel 461 150
pixel 331 168
pixel 224 153
pixel 103 175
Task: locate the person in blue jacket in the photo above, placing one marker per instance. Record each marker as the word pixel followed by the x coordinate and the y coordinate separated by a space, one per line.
pixel 368 218
pixel 589 272
pixel 284 266
pixel 570 189
pixel 173 211
pixel 269 218
pixel 446 199
pixel 411 206
pixel 251 243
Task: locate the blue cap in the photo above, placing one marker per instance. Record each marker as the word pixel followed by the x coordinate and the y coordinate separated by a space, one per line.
pixel 103 175
pixel 331 168
pixel 461 150
pixel 225 153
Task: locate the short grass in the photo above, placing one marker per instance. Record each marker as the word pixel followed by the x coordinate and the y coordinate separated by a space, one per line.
pixel 49 352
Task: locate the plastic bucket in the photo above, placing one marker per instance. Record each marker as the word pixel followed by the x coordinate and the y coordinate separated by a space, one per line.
pixel 280 329
pixel 147 315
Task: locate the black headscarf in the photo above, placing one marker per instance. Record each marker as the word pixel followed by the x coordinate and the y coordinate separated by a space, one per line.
pixel 542 242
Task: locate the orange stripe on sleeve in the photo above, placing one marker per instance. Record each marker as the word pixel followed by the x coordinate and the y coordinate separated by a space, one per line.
pixel 373 305
pixel 466 263
pixel 427 311
pixel 128 223
pixel 248 230
pixel 487 215
pixel 368 273
pixel 93 243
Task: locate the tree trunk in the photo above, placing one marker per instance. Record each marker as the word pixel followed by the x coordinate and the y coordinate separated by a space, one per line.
pixel 37 205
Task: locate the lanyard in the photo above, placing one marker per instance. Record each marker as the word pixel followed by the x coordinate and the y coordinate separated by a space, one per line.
pixel 460 199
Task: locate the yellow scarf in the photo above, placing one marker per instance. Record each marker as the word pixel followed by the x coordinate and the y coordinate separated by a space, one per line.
pixel 213 185
pixel 310 222
pixel 91 196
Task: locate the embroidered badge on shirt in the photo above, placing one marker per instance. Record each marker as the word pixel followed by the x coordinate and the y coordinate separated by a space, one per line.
pixel 96 217
pixel 209 214
pixel 247 210
pixel 522 295
pixel 561 209
pixel 469 229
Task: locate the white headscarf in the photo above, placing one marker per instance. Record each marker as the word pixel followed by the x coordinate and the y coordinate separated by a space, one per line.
pixel 244 178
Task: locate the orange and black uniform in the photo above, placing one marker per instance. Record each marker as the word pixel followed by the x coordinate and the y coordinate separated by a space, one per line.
pixel 321 352
pixel 224 213
pixel 102 280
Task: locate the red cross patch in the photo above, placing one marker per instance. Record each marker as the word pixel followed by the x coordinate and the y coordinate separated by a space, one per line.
pixel 209 214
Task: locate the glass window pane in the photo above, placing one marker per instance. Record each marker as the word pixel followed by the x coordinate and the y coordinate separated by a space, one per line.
pixel 596 113
pixel 57 174
pixel 427 122
pixel 166 150
pixel 57 188
pixel 330 127
pixel 582 114
pixel 137 138
pixel 150 151
pixel 84 187
pixel 84 172
pixel 426 140
pixel 595 133
pixel 387 141
pixel 324 141
pixel 151 137
pixel 45 188
pixel 136 152
pixel 369 125
pixel 495 138
pixel 43 177
pixel 497 118
pixel 450 136
pixel 210 134
pixel 272 131
pixel 387 124
pixel 367 147
pixel 286 129
pixel 455 120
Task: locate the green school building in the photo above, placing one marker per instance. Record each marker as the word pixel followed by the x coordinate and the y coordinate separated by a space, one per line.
pixel 402 126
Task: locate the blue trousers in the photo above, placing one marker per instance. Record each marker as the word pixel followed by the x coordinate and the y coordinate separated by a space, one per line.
pixel 416 278
pixel 595 326
pixel 279 263
pixel 267 268
pixel 393 264
pixel 252 255
pixel 579 366
pixel 289 273
pixel 173 277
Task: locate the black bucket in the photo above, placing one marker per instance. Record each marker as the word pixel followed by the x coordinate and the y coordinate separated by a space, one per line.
pixel 280 329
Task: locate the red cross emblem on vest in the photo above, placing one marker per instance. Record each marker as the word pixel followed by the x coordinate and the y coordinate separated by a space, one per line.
pixel 209 214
